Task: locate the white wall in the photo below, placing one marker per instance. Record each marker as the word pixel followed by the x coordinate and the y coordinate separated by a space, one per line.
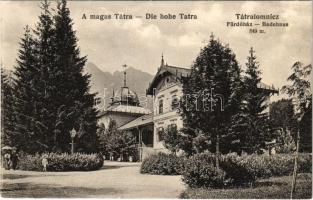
pixel 165 91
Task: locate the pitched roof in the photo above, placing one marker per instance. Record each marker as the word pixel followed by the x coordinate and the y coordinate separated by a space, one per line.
pixel 165 70
pixel 180 73
pixel 140 121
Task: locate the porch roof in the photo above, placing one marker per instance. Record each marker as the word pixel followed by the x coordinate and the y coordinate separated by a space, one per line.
pixel 140 121
pixel 126 109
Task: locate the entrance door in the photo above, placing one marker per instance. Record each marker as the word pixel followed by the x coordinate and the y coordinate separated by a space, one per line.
pixel 147 137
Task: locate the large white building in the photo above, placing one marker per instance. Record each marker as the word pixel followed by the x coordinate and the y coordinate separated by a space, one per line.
pixel 166 90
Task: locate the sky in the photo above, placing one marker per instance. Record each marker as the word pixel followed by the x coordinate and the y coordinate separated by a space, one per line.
pixel 140 42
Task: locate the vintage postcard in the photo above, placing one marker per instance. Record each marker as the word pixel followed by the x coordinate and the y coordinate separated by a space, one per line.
pixel 156 99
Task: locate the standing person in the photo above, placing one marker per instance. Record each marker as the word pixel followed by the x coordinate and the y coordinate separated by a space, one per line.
pixel 44 163
pixel 14 158
pixel 7 158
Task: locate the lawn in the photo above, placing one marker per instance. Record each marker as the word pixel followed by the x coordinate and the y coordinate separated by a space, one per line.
pixel 113 180
pixel 272 188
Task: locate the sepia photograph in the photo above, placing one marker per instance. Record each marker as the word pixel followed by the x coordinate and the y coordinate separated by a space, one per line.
pixel 156 99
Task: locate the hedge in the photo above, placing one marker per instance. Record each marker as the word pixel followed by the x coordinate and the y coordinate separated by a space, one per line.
pixel 201 171
pixel 163 164
pixel 278 165
pixel 61 162
pixel 29 162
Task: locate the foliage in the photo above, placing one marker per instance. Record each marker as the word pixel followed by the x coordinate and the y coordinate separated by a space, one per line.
pixel 251 125
pixel 300 91
pixel 282 115
pixel 51 92
pixel 163 164
pixel 305 130
pixel 25 97
pixel 211 95
pixel 264 166
pixel 300 87
pixel 239 170
pixel 76 102
pixel 117 143
pixel 201 171
pixel 29 162
pixel 7 113
pixel 171 138
pixel 272 188
pixel 103 139
pixel 283 164
pixel 286 143
pixel 61 162
pixel 200 142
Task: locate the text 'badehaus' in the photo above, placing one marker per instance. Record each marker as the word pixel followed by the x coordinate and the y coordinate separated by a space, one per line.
pixel 146 125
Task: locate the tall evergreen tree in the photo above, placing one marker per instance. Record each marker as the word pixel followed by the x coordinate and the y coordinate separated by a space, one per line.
pixel 251 124
pixel 25 96
pixel 72 86
pixel 52 93
pixel 45 52
pixel 211 96
pixel 7 114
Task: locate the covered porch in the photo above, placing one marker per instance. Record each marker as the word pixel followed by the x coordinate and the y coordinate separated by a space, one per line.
pixel 142 128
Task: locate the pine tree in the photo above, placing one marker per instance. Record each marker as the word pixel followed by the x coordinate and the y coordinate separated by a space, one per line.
pixel 211 96
pixel 8 136
pixel 46 52
pixel 251 124
pixel 25 96
pixel 52 93
pixel 73 98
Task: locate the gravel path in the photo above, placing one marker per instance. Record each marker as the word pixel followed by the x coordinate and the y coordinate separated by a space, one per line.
pixel 115 180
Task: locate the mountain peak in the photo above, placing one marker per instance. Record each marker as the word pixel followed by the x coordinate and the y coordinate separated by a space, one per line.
pixel 101 81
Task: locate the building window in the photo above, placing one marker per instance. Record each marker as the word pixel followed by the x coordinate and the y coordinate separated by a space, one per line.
pixel 161 134
pixel 160 106
pixel 175 102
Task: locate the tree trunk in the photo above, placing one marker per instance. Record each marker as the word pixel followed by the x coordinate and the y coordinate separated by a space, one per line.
pixel 217 151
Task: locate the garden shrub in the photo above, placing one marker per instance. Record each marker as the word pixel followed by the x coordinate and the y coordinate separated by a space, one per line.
pixel 265 166
pixel 29 162
pixel 200 171
pixel 163 164
pixel 62 162
pixel 283 164
pixel 239 170
pixel 257 165
pixel 305 163
pixel 280 164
